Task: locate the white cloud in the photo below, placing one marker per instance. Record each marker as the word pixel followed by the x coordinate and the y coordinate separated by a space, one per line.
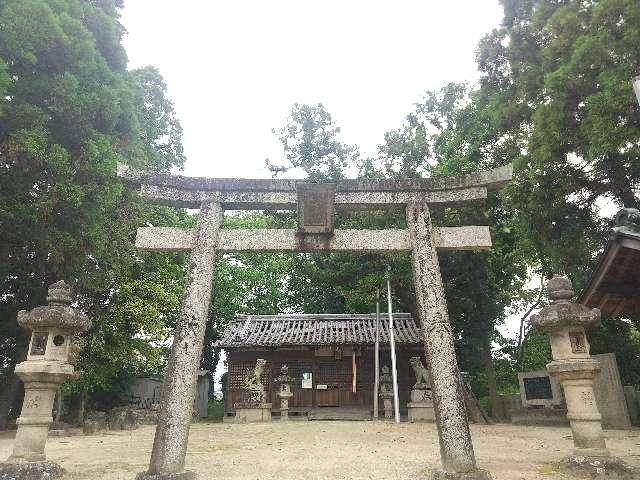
pixel 234 69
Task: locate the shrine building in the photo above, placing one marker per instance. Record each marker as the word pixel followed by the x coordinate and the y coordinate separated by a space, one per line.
pixel 330 357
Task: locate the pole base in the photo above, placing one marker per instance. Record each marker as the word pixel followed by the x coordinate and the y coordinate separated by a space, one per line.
pixel 30 470
pixel 590 452
pixel 612 468
pixel 477 475
pixel 184 475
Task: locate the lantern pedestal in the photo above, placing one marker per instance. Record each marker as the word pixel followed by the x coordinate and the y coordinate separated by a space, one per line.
pixel 41 381
pixel 576 378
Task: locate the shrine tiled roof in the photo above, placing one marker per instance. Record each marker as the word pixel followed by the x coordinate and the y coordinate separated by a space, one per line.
pixel 322 329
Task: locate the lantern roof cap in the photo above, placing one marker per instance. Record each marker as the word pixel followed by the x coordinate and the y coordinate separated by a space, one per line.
pixel 561 311
pixel 58 313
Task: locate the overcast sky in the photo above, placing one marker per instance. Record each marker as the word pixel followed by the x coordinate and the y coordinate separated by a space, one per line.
pixel 235 68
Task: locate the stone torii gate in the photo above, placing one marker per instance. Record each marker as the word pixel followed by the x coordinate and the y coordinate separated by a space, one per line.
pixel 315 204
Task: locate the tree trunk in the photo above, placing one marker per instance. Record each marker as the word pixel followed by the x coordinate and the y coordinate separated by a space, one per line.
pixel 83 404
pixel 58 405
pixel 75 414
pixel 490 371
pixel 7 398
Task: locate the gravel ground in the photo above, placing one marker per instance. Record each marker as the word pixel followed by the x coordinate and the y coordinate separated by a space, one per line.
pixel 325 450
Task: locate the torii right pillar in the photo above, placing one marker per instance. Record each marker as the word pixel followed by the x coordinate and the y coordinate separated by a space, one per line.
pixel 456 448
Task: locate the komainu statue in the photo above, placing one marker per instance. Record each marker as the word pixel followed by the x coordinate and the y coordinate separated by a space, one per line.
pixel 422 377
pixel 420 408
pixel 253 385
pixel 628 218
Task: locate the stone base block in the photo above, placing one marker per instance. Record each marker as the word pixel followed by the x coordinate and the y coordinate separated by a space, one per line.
pixel 122 418
pixel 540 417
pixel 186 475
pixel 590 453
pixel 421 412
pixel 611 468
pixel 30 471
pixel 477 475
pixel 261 413
pixel 95 422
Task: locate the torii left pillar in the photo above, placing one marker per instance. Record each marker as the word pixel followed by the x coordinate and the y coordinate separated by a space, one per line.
pixel 172 432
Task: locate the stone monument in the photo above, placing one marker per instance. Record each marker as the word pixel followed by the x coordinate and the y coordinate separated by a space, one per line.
pixel 46 367
pixel 284 392
pixel 565 322
pixel 610 392
pixel 253 407
pixel 420 408
pixel 386 391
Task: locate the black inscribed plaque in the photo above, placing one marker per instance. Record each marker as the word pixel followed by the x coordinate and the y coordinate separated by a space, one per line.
pixel 538 388
pixel 315 207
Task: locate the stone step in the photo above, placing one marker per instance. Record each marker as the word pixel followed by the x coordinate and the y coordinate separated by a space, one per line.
pixel 339 414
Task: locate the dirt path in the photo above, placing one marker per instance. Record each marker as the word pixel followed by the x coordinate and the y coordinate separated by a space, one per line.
pixel 325 450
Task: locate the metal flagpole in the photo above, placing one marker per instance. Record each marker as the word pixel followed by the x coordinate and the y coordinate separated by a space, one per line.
pixel 392 340
pixel 376 382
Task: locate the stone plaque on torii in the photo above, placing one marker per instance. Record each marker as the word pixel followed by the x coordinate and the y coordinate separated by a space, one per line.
pixel 315 205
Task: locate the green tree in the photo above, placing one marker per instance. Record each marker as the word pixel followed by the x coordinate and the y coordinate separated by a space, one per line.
pixel 69 111
pixel 310 140
pixel 556 86
pixel 556 96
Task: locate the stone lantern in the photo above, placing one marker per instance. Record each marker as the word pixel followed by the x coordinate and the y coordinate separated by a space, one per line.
pixel 565 322
pixel 47 366
pixel 284 392
pixel 386 391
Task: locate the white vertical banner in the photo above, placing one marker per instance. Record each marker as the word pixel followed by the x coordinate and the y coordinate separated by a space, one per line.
pixel 392 341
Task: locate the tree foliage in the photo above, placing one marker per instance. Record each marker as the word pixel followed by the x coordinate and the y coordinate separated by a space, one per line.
pixel 554 98
pixel 310 140
pixel 69 111
pixel 556 87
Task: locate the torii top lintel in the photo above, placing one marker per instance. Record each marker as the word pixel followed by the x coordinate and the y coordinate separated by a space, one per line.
pixel 251 194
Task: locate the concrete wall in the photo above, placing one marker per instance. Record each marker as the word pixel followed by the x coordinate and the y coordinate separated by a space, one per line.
pixel 507 404
pixel 633 404
pixel 610 394
pixel 202 396
pixel 144 392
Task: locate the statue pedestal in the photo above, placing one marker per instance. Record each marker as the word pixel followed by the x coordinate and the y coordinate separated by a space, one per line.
pixel 420 408
pixel 253 413
pixel 284 405
pixel 387 402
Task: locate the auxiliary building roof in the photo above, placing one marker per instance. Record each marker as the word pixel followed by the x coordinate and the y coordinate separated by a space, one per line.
pixel 614 286
pixel 321 329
